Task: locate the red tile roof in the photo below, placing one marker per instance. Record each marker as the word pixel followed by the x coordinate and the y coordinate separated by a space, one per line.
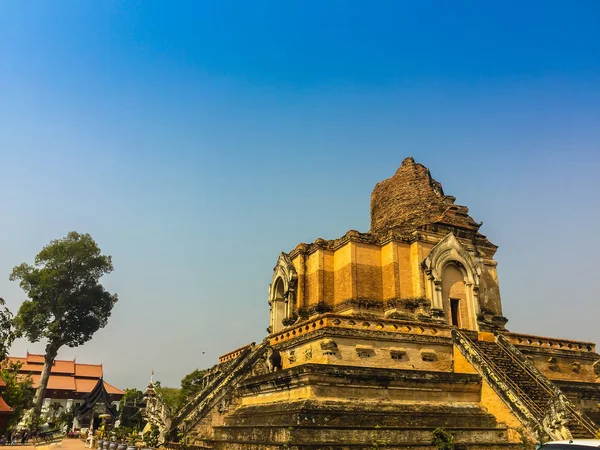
pixel 65 375
pixel 56 382
pixel 88 370
pixel 60 366
pixel 32 358
pixel 86 386
pixel 4 408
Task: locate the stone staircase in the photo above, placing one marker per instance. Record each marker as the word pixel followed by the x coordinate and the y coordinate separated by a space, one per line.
pixel 217 390
pixel 524 389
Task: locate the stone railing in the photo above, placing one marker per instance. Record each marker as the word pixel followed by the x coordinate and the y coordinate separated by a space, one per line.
pixel 521 405
pixel 234 353
pixel 553 343
pixel 356 323
pixel 215 393
pixel 157 413
pixel 559 398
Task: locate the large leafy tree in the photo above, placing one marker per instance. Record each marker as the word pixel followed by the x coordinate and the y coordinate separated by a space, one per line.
pixel 18 393
pixel 129 407
pixel 66 303
pixel 6 330
pixel 191 384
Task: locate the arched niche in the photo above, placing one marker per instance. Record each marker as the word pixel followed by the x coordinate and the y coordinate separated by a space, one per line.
pixel 282 292
pixel 453 274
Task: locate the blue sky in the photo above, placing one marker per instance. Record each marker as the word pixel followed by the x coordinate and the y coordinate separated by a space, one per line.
pixel 196 140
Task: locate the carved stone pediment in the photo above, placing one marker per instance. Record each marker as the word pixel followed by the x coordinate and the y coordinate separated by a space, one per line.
pixel 284 270
pixel 450 249
pixel 282 294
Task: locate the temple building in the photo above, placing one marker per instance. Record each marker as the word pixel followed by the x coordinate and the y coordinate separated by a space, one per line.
pixel 69 383
pixel 5 410
pixel 379 338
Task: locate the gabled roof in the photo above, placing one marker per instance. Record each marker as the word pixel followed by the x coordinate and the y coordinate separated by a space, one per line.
pixel 60 366
pixel 87 385
pixel 35 363
pixel 33 358
pixel 56 382
pixel 98 394
pixel 88 370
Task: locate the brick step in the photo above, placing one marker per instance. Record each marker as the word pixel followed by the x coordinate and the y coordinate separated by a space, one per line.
pixel 578 431
pixel 317 435
pixel 517 375
pixel 390 415
pixel 216 445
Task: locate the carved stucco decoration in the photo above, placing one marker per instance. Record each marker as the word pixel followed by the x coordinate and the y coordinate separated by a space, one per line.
pixel 596 368
pixel 553 364
pixel 364 351
pixel 282 291
pixel 450 250
pixel 576 367
pixel 556 419
pixel 260 368
pixel 328 347
pixel 428 355
pixel 291 355
pixel 308 353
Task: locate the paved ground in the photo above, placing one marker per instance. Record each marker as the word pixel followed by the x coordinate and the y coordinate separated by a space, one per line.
pixel 65 444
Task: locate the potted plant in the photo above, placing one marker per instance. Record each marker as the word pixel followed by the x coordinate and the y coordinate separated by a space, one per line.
pixel 121 434
pixel 151 438
pixel 100 435
pixel 132 439
pixel 103 441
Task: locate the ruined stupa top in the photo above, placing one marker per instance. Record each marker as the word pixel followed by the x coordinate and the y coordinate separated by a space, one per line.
pixel 411 199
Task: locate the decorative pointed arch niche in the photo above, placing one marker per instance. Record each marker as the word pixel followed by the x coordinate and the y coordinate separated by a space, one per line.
pixel 282 292
pixel 453 283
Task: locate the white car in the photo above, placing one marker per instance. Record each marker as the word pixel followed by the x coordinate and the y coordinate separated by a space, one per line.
pixel 571 444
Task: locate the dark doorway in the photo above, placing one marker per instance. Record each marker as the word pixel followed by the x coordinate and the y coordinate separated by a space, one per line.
pixel 454 311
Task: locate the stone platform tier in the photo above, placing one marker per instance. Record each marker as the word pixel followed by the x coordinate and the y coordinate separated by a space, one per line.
pixel 307 424
pixel 318 406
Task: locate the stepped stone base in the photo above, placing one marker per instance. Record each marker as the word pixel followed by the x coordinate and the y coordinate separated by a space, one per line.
pixel 380 408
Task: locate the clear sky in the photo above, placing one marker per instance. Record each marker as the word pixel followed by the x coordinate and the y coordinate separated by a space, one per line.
pixel 196 140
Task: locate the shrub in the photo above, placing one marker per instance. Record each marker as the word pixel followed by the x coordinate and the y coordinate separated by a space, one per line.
pixel 442 439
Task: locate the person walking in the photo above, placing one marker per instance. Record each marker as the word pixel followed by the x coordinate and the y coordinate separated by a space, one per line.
pixel 24 436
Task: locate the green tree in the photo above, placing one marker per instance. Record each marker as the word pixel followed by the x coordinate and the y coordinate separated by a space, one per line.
pixel 129 408
pixel 18 393
pixel 55 407
pixel 132 397
pixel 7 334
pixel 66 418
pixel 169 395
pixel 191 385
pixel 66 303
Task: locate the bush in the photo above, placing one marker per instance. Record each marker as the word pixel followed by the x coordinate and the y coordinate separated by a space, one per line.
pixel 442 439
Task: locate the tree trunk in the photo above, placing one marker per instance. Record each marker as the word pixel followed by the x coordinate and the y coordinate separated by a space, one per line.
pixel 40 393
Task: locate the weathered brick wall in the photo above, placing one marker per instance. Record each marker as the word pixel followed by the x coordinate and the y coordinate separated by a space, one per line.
pixel 412 198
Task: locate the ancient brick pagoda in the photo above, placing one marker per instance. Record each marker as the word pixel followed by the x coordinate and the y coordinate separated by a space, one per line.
pixel 379 338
